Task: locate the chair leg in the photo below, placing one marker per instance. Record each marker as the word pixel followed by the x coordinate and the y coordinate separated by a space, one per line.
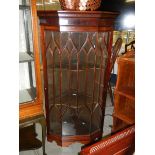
pixel 111 94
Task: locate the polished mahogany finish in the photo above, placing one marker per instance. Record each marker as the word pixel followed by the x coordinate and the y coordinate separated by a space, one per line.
pixel 76 50
pixel 121 143
pixel 77 21
pixel 124 101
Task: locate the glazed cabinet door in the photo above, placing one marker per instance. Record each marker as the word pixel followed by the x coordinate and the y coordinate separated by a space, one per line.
pixel 76 68
pixel 29 65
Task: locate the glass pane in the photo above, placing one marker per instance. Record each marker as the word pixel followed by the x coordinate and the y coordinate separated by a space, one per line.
pixel 76 64
pixel 27 83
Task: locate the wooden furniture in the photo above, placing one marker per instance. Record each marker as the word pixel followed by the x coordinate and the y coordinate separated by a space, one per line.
pixel 121 143
pixel 76 49
pixel 30 94
pixel 131 45
pixel 124 101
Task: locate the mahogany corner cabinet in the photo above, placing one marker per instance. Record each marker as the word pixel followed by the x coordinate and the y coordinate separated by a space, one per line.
pixel 76 49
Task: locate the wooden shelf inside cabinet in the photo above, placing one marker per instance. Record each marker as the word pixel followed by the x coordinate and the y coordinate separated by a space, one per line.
pixel 25 57
pixel 124 108
pixel 125 117
pixel 24 7
pixel 126 92
pixel 124 100
pixel 118 124
pixel 74 67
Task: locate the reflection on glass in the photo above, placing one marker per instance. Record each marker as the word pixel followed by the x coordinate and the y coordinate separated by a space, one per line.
pixel 27 83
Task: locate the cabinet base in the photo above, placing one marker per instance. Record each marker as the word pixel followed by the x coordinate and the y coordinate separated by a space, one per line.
pixel 65 141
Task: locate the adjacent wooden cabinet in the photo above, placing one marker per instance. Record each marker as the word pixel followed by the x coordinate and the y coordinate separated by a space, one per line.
pixel 124 101
pixel 121 143
pixel 30 94
pixel 30 88
pixel 76 49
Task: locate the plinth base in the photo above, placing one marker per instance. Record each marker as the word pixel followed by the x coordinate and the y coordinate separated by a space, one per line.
pixel 65 141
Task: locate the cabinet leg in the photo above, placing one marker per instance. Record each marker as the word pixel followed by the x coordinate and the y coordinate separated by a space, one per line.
pixel 43 125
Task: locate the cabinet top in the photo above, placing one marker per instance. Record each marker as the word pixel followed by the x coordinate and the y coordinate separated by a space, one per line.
pixel 87 14
pixel 86 20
